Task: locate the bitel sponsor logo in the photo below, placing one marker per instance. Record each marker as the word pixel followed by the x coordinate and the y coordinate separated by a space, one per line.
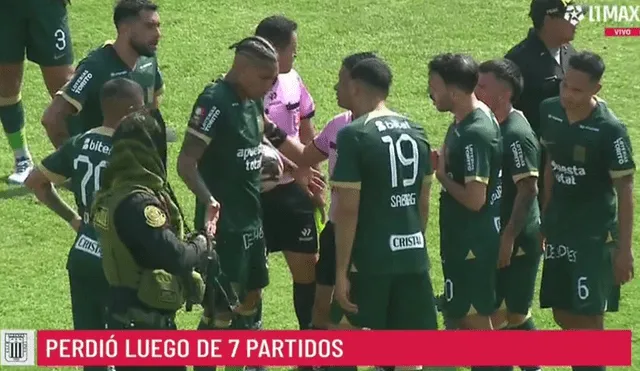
pixel 615 18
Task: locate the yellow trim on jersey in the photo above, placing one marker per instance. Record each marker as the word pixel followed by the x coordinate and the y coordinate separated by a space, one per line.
pixel 519 177
pixel 159 92
pixel 429 178
pixel 617 174
pixel 108 42
pixel 382 112
pixel 71 101
pixel 199 135
pixel 469 179
pixel 102 130
pixel 53 177
pixel 10 101
pixel 348 185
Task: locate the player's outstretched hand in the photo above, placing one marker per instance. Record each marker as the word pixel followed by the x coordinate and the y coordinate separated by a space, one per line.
pixel 211 217
pixel 623 265
pixel 342 289
pixel 506 249
pixel 310 179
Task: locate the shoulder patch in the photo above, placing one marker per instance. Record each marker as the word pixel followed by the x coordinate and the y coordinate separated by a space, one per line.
pixel 101 218
pixel 155 217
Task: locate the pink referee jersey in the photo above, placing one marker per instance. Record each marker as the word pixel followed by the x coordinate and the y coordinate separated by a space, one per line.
pixel 325 142
pixel 288 102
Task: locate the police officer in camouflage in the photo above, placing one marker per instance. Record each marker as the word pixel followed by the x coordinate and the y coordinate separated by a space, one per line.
pixel 76 107
pixel 150 268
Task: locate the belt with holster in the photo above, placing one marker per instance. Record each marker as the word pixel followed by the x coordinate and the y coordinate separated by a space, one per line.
pixel 134 317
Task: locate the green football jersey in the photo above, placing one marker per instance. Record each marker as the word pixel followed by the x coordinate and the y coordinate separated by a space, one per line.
pixel 521 159
pixel 82 159
pixel 100 66
pixel 585 157
pixel 473 154
pixel 386 157
pixel 230 167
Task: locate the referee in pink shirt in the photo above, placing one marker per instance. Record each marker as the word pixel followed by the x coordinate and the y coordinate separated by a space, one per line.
pixel 289 221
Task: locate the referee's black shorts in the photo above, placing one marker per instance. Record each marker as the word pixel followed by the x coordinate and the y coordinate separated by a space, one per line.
pixel 289 220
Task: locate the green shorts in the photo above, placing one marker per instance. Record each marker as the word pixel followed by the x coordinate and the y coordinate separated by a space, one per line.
pixel 515 284
pixel 243 258
pixel 390 302
pixel 577 274
pixel 469 286
pixel 35 27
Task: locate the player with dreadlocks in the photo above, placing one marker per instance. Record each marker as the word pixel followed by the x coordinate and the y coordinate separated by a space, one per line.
pixel 221 160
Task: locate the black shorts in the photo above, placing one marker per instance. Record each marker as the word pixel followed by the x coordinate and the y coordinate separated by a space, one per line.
pixel 289 220
pixel 326 265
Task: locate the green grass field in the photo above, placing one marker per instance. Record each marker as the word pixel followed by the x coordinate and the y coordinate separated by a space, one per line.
pixel 34 244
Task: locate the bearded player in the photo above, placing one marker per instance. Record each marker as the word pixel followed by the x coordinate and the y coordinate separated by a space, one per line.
pixel 590 169
pixel 469 172
pixel 39 29
pixel 499 85
pixel 82 159
pixel 76 107
pixel 221 161
pixel 382 180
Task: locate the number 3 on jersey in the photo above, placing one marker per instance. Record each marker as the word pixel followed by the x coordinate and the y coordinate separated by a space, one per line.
pixel 396 155
pixel 92 172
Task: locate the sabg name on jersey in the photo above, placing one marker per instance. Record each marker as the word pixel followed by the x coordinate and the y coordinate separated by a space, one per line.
pixel 567 174
pixel 389 125
pixel 403 200
pixel 252 157
pixel 81 82
pixel 96 146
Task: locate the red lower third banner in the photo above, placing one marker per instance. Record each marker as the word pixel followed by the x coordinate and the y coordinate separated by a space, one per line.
pixel 333 348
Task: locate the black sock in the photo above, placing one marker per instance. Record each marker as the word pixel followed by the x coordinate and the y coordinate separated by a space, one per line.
pixel 527 325
pixel 588 368
pixel 303 297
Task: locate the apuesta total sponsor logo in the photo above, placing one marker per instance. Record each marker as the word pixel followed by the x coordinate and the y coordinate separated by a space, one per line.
pixel 612 15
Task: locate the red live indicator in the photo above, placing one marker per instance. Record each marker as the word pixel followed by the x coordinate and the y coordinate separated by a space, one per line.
pixel 622 31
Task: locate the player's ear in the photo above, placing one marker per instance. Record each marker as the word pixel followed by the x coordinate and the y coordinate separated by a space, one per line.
pixel 597 88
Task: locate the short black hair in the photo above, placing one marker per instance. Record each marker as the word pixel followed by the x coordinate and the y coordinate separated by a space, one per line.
pixel 507 72
pixel 278 29
pixel 459 70
pixel 373 72
pixel 350 61
pixel 589 63
pixel 257 48
pixel 120 88
pixel 128 9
